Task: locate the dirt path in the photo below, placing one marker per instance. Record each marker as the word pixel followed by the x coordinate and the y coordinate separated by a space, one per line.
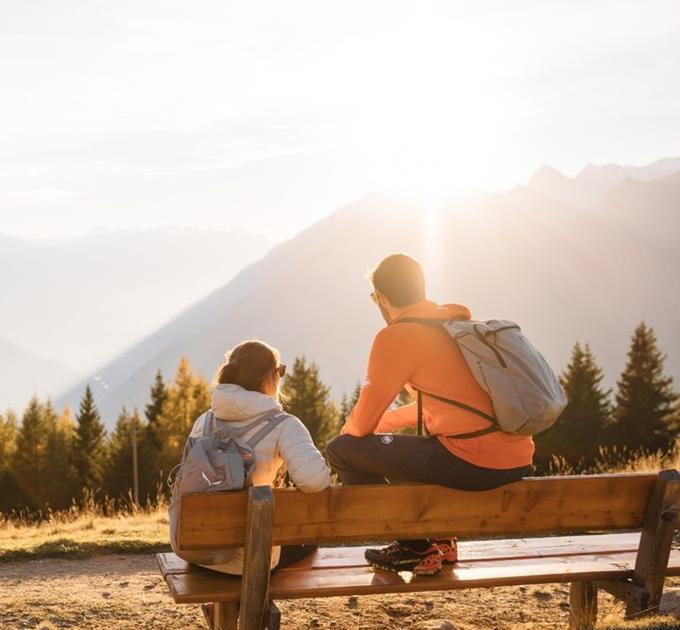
pixel 126 592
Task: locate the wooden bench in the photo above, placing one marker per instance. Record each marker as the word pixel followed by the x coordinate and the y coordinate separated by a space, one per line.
pixel 630 565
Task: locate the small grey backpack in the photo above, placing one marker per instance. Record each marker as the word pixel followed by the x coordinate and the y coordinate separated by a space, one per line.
pixel 526 393
pixel 220 459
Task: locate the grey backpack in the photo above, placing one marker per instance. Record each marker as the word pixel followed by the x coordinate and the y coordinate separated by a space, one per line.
pixel 526 394
pixel 216 461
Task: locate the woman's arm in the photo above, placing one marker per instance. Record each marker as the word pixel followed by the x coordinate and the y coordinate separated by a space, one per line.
pixel 306 466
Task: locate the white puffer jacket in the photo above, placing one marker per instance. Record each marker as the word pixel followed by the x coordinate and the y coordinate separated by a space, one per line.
pixel 289 443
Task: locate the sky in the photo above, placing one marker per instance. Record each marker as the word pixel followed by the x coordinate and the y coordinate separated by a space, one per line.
pixel 268 115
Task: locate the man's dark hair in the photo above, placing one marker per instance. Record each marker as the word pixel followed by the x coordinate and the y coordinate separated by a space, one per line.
pixel 400 279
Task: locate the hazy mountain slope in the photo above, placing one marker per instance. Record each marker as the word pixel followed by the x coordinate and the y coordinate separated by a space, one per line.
pixel 87 299
pixel 24 374
pixel 564 274
pixel 594 182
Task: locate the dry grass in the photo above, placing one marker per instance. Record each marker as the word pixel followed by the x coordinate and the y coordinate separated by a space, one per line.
pixel 614 460
pixel 84 532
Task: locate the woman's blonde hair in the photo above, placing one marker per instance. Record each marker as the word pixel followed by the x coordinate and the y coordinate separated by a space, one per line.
pixel 249 365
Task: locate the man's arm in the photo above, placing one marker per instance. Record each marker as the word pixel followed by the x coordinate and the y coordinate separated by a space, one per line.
pixel 399 418
pixel 390 366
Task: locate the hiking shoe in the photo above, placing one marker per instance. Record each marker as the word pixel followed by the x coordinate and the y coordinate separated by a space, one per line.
pixel 396 557
pixel 448 548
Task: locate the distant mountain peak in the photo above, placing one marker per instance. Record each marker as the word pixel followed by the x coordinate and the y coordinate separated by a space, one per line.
pixel 546 173
pixel 595 181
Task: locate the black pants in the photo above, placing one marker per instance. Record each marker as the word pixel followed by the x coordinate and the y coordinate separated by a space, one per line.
pixel 292 553
pixel 404 458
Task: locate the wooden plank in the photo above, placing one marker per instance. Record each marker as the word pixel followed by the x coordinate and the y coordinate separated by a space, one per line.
pixel 582 606
pixel 469 551
pixel 657 535
pixel 204 585
pixel 379 512
pixel 172 563
pixel 257 562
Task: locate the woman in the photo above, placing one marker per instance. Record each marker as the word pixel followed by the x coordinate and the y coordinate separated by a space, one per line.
pixel 247 386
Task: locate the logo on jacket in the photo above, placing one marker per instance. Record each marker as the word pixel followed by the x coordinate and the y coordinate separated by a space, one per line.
pixel 387 439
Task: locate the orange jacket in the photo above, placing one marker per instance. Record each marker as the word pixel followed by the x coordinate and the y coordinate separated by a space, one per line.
pixel 427 358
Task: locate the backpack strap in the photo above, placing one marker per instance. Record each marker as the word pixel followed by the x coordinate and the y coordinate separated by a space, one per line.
pixel 439 323
pixel 208 423
pixel 270 424
pixel 270 419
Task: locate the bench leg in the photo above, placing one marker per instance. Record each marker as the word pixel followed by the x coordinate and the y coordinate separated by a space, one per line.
pixel 226 616
pixel 659 525
pixel 582 606
pixel 631 594
pixel 258 548
pixel 274 619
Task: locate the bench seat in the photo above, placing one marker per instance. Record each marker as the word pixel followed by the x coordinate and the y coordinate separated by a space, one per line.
pixel 343 571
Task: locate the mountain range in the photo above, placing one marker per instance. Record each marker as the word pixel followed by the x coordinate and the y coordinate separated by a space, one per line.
pixel 25 374
pixel 567 267
pixel 594 182
pixel 80 301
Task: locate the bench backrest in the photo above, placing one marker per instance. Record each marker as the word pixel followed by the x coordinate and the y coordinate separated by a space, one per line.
pixel 378 512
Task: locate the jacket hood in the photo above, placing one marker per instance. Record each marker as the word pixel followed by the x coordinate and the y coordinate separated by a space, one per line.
pixel 233 403
pixel 427 309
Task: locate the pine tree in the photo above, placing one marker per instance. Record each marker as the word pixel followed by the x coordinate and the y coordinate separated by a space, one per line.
pixel 347 404
pixel 583 426
pixel 60 475
pixel 154 409
pixel 89 449
pixel 309 399
pixel 645 399
pixel 29 459
pixel 119 481
pixel 150 441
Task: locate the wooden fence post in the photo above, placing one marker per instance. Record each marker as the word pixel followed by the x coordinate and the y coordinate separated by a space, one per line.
pixel 258 550
pixel 582 606
pixel 658 527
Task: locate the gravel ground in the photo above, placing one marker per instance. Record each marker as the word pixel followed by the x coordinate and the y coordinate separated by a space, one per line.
pixel 126 592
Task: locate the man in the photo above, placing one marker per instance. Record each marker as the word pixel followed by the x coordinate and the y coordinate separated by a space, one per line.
pixel 463 449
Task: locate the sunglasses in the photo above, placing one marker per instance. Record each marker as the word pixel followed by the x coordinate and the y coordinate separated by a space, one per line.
pixel 281 370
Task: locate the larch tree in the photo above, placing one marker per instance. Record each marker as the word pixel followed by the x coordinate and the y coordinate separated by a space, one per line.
pixel 60 474
pixel 9 429
pixel 187 398
pixel 9 490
